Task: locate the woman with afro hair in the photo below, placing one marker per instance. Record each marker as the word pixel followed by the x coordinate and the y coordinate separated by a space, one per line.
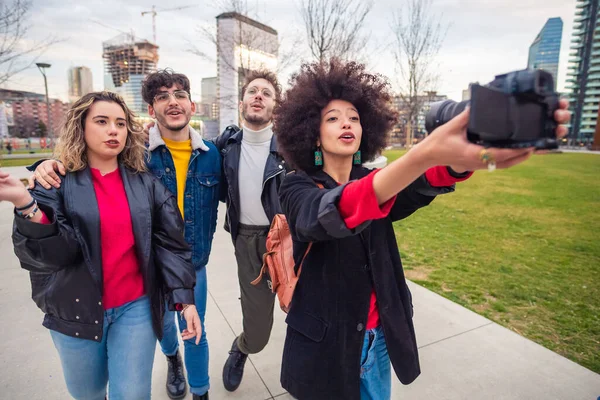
pixel 351 314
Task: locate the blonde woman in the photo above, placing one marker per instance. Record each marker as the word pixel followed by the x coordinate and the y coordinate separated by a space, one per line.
pixel 103 251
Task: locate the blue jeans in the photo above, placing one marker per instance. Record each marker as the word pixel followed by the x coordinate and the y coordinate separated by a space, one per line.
pixel 375 372
pixel 196 356
pixel 123 358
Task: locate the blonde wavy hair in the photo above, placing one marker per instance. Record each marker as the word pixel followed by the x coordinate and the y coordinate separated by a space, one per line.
pixel 71 148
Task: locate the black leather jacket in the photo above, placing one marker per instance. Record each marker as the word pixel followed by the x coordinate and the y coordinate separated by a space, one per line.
pixel 229 144
pixel 65 258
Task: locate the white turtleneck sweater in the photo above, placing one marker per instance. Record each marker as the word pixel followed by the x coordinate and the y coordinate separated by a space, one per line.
pixel 253 158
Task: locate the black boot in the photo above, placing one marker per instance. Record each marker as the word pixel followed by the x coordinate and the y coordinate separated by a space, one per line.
pixel 203 397
pixel 176 385
pixel 234 368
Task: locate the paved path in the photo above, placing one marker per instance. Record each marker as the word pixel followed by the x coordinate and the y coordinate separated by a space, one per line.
pixel 463 355
pixel 25 155
pixel 19 172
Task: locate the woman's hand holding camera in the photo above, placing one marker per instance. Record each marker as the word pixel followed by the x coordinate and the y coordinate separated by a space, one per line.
pixel 448 145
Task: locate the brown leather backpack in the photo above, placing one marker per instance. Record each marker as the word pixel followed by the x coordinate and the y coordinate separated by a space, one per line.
pixel 279 261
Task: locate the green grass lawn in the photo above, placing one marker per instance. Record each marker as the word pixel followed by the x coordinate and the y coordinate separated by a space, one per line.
pixel 25 151
pixel 521 247
pixel 17 162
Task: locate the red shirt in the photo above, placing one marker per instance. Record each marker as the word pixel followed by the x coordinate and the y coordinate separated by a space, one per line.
pixel 358 204
pixel 123 281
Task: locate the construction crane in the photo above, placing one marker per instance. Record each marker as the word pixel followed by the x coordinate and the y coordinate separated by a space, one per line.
pixel 130 34
pixel 154 11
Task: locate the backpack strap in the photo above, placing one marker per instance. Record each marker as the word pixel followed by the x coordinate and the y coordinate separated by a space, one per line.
pixel 264 268
pixel 303 257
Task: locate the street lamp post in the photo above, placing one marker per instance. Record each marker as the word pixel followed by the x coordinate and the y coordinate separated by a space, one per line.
pixel 42 67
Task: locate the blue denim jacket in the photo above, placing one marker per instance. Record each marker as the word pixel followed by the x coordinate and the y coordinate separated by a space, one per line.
pixel 201 197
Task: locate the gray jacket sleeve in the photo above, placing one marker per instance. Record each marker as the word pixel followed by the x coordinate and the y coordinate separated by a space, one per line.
pixel 312 213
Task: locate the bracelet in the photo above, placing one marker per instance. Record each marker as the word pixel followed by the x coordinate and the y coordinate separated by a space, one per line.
pixel 30 215
pixel 27 206
pixel 183 310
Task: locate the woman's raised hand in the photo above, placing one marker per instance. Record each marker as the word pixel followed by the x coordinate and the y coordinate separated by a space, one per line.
pixel 13 190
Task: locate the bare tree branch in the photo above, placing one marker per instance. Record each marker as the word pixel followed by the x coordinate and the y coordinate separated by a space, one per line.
pixel 288 55
pixel 286 49
pixel 15 55
pixel 418 36
pixel 334 27
pixel 248 42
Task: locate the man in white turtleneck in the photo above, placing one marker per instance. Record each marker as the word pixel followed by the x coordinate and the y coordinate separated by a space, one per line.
pixel 255 151
pixel 252 172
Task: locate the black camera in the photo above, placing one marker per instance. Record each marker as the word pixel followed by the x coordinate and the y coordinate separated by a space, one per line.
pixel 515 110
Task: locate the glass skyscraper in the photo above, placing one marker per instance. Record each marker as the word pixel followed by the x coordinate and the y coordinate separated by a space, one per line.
pixel 545 49
pixel 583 79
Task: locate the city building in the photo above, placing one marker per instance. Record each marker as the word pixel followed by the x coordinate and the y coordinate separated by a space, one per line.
pixel 209 102
pixel 583 77
pixel 127 61
pixel 6 119
pixel 28 113
pixel 544 52
pixel 399 132
pixel 243 44
pixel 80 82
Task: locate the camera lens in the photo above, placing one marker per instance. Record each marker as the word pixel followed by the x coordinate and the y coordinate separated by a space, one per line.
pixel 441 112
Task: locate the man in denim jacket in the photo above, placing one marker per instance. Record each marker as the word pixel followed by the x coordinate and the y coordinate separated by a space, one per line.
pixel 190 168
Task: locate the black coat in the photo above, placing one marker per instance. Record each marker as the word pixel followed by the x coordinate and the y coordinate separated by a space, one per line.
pixel 65 258
pixel 328 315
pixel 230 145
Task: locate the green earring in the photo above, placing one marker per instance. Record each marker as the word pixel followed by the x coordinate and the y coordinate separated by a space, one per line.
pixel 318 157
pixel 356 160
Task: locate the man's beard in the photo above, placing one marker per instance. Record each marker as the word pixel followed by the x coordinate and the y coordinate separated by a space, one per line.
pixel 256 119
pixel 163 121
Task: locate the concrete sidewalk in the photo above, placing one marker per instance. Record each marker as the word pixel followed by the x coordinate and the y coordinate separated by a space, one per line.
pixel 18 172
pixel 463 355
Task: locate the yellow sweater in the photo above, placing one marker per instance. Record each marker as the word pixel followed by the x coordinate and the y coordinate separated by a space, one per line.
pixel 181 153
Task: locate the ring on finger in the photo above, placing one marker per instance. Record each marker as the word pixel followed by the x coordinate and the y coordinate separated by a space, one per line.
pixel 488 159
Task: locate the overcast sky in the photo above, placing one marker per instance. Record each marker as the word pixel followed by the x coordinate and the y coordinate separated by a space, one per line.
pixel 483 39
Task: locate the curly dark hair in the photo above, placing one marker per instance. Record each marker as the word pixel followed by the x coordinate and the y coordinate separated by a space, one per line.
pixel 297 120
pixel 164 77
pixel 266 75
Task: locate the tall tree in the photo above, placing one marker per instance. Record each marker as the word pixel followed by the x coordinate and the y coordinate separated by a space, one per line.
pixel 418 34
pixel 334 28
pixel 17 55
